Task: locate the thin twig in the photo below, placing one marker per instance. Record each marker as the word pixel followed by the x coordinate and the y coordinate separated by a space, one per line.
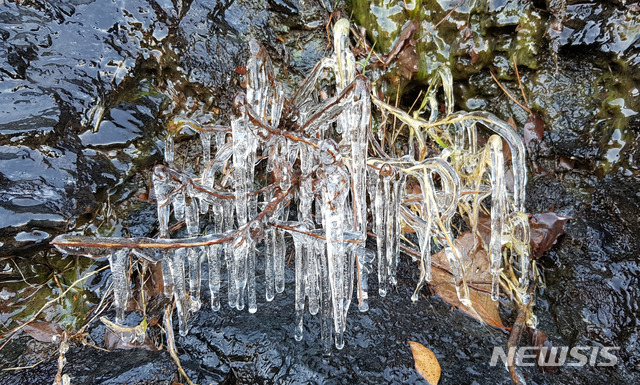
pixel 508 93
pixel 515 66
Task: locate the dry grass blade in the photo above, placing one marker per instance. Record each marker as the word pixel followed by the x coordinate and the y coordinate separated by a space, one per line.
pixel 171 345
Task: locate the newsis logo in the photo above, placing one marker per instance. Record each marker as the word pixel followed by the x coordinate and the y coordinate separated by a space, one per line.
pixel 578 356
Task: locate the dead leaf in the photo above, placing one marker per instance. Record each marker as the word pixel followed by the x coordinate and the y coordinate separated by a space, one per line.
pixel 533 131
pixel 546 228
pixel 113 341
pixel 543 345
pixel 405 38
pixel 426 362
pixel 408 60
pixel 43 331
pixel 477 265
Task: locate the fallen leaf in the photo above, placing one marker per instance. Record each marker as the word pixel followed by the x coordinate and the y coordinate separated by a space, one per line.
pixel 533 131
pixel 114 341
pixel 408 60
pixel 478 277
pixel 550 362
pixel 426 362
pixel 405 39
pixel 43 331
pixel 546 228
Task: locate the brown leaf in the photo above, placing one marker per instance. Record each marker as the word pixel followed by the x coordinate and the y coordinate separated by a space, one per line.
pixel 113 341
pixel 533 131
pixel 404 41
pixel 543 345
pixel 546 228
pixel 426 362
pixel 477 265
pixel 43 331
pixel 408 60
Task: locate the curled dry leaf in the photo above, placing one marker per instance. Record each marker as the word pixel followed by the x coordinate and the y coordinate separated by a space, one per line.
pixel 546 228
pixel 477 266
pixel 426 362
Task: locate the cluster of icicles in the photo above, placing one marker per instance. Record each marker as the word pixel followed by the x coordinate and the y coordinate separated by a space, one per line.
pixel 320 163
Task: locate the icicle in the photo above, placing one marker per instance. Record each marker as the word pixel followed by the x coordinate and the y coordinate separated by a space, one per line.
pixel 311 276
pixel 179 205
pixel 162 187
pixel 453 257
pixel 240 155
pixel 227 251
pixel 194 254
pixel 205 138
pixel 269 256
pixel 240 257
pixel 213 256
pixel 520 244
pixel 176 266
pixel 424 239
pixel 394 229
pixel 382 205
pixel 365 258
pixel 251 284
pixel 325 296
pixel 333 213
pixel 279 260
pixel 232 295
pixel 496 171
pixel 167 277
pixel 349 266
pixel 119 264
pixel 169 150
pixel 298 242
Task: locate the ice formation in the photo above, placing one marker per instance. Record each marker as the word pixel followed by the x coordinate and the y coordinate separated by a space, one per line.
pixel 319 162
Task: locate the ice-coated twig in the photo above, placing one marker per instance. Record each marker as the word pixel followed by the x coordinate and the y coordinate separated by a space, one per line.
pixel 314 147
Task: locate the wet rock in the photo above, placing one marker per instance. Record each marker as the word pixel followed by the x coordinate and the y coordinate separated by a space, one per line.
pixel 612 27
pixel 592 273
pixel 62 63
pixel 93 366
pixel 41 188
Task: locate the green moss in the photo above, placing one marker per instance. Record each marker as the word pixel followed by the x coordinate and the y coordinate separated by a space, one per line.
pixel 473 37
